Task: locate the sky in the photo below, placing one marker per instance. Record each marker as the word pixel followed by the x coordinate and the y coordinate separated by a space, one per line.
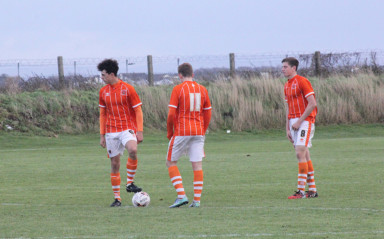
pixel 45 29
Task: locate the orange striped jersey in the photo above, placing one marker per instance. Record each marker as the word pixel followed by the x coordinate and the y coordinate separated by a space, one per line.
pixel 119 100
pixel 296 91
pixel 189 99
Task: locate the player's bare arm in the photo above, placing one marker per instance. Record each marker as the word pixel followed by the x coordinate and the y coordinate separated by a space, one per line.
pixel 102 141
pixel 139 136
pixel 308 110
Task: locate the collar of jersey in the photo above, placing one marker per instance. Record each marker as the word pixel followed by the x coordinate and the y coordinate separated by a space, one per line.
pixel 117 85
pixel 292 78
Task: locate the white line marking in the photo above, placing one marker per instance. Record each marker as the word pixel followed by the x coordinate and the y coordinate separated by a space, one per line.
pixel 234 235
pixel 40 149
pixel 90 147
pixel 245 207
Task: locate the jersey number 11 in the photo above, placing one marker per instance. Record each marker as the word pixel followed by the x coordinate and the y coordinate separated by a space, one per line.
pixel 194 101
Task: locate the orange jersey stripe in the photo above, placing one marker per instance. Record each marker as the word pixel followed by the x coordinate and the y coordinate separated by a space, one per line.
pixel 296 91
pixel 190 100
pixel 308 134
pixel 119 100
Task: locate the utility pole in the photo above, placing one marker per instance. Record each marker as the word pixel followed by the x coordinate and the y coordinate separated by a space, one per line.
pixel 317 60
pixel 232 65
pixel 150 70
pixel 127 63
pixel 61 71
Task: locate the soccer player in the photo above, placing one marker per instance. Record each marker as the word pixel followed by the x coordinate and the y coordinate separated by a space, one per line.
pixel 301 110
pixel 121 125
pixel 188 119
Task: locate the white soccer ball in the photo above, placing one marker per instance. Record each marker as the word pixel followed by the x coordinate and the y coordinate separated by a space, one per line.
pixel 141 199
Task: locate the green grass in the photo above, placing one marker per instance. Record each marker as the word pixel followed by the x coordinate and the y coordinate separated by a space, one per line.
pixel 60 188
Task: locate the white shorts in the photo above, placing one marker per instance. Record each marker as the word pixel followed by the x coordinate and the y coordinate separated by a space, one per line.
pixel 192 146
pixel 116 141
pixel 303 136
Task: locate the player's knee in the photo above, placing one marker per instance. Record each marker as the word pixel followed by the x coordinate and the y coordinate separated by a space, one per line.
pixel 301 153
pixel 170 163
pixel 197 166
pixel 133 153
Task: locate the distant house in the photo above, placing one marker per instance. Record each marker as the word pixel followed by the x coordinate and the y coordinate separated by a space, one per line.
pixel 142 79
pixel 167 80
pixel 98 79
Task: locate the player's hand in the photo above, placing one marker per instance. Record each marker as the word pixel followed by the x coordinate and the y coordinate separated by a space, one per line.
pixel 102 141
pixel 296 125
pixel 289 136
pixel 139 137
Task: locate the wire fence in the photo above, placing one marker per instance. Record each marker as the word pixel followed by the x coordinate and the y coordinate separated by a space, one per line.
pixel 86 67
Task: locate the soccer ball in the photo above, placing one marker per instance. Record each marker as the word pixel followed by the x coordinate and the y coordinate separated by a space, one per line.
pixel 141 199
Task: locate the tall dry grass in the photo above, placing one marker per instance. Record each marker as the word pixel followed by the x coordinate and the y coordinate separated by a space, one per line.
pixel 247 104
pixel 239 105
pixel 258 103
pixel 358 99
pixel 155 105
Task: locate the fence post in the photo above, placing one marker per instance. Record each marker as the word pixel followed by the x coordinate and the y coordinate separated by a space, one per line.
pixel 317 63
pixel 61 71
pixel 232 65
pixel 150 70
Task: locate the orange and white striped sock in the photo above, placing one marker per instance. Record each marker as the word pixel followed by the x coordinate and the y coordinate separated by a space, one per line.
pixel 177 181
pixel 131 170
pixel 311 177
pixel 197 184
pixel 302 176
pixel 115 181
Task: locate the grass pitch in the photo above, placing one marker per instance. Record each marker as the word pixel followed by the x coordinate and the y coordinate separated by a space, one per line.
pixel 60 188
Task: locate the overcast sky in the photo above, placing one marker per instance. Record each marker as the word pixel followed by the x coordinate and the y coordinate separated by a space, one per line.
pixel 40 29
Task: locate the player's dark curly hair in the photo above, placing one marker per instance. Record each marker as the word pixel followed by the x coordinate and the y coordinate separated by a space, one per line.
pixel 109 65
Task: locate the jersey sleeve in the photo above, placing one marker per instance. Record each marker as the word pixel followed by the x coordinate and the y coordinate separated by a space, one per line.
pixel 134 97
pixel 101 100
pixel 207 104
pixel 285 93
pixel 306 88
pixel 174 102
